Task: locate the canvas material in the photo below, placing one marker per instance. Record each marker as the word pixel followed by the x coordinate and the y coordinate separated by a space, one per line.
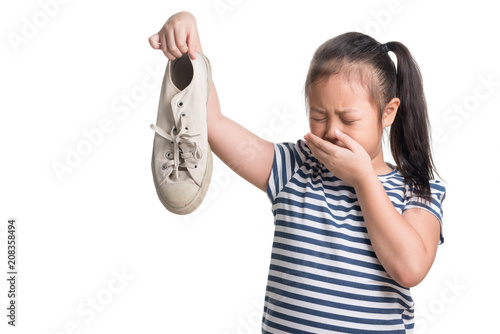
pixel 194 99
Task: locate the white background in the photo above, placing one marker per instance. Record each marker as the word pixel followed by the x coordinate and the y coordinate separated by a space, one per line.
pixel 81 64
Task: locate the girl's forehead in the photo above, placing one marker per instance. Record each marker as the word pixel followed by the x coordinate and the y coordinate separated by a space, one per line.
pixel 337 93
pixel 337 88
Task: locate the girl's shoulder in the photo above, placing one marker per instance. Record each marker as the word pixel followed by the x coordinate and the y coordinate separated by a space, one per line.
pixel 289 157
pixel 298 150
pixel 292 156
pixel 395 180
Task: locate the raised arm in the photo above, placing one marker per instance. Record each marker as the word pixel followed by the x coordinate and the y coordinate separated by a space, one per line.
pixel 247 154
pixel 244 152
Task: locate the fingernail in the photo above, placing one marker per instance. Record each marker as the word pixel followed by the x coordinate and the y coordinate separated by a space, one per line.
pixel 338 133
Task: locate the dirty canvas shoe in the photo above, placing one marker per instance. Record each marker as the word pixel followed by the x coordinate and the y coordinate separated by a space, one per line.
pixel 182 160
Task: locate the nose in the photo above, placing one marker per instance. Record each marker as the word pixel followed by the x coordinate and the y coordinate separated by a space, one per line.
pixel 330 128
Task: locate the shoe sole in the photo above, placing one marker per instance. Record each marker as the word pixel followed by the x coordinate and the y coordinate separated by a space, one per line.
pixel 198 199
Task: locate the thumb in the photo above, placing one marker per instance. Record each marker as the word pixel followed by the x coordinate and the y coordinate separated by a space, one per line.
pixel 154 41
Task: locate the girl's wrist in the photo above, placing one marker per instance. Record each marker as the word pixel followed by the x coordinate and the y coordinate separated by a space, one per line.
pixel 365 180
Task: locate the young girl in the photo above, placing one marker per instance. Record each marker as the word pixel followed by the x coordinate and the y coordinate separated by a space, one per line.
pixel 352 233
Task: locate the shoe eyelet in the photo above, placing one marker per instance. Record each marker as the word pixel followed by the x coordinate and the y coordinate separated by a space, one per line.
pixel 180 104
pixel 168 155
pixel 195 166
pixel 187 129
pixel 183 114
pixel 164 166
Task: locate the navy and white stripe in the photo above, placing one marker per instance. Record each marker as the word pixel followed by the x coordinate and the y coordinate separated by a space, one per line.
pixel 324 276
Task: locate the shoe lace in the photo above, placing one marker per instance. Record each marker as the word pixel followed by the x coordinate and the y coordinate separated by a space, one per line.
pixel 184 148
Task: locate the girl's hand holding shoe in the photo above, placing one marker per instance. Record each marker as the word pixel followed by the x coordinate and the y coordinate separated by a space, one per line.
pixel 178 36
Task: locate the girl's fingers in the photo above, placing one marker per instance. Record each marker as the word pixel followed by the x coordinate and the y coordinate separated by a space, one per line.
pixel 323 145
pixel 350 143
pixel 313 142
pixel 181 40
pixel 325 151
pixel 191 38
pixel 164 48
pixel 177 37
pixel 154 41
pixel 172 45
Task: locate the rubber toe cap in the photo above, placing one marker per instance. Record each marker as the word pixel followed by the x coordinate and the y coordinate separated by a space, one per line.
pixel 178 197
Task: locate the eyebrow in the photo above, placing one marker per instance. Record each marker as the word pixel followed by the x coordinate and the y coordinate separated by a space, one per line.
pixel 343 111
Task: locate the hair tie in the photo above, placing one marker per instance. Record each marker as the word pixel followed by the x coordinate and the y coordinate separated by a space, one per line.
pixel 384 48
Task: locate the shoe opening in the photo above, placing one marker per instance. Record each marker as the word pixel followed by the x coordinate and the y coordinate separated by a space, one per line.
pixel 182 72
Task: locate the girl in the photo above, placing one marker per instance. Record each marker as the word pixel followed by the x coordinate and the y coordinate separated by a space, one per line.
pixel 352 233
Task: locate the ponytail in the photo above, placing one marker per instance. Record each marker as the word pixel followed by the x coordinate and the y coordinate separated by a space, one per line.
pixel 409 134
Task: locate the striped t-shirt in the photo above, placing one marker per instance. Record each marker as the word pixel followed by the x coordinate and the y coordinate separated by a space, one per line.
pixel 324 276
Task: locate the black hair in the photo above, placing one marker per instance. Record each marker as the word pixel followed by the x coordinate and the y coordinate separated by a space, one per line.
pixel 365 61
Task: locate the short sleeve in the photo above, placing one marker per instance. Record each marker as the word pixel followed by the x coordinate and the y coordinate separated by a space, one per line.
pixel 287 159
pixel 438 194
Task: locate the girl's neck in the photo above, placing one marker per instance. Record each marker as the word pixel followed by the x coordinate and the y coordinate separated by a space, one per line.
pixel 379 165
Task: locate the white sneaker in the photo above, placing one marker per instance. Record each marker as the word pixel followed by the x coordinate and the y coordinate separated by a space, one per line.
pixel 182 160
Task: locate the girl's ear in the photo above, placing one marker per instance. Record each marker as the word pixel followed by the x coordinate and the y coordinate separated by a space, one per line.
pixel 390 111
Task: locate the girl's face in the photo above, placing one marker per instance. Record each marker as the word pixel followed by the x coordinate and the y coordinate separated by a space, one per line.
pixel 339 104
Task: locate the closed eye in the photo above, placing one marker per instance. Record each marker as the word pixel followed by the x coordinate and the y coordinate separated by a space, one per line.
pixel 319 120
pixel 345 121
